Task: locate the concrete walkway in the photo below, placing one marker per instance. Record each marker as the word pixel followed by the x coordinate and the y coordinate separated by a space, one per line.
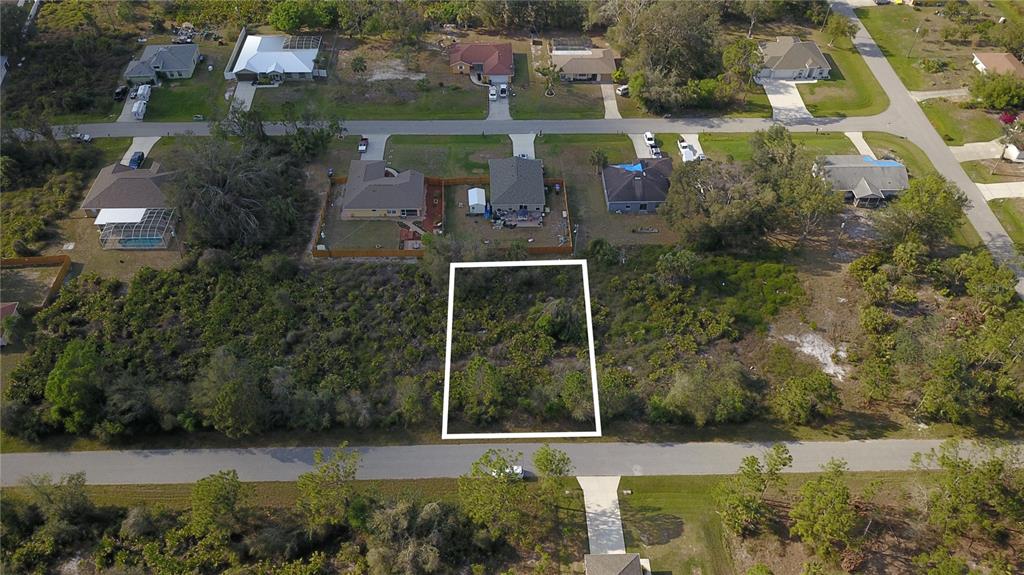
pixel 126 111
pixel 1004 190
pixel 860 143
pixel 523 144
pixel 143 145
pixel 244 93
pixel 787 105
pixel 978 151
pixel 611 105
pixel 604 523
pixel 640 146
pixel 375 147
pixel 957 94
pixel 451 460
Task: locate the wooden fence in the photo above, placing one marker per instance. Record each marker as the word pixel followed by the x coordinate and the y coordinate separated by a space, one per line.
pixel 443 182
pixel 63 261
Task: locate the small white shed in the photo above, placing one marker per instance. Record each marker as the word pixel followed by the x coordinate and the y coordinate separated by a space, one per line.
pixel 477 200
pixel 1013 153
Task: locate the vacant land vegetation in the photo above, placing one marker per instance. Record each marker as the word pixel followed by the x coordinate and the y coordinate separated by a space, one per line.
pixel 1010 212
pixel 835 521
pixel 958 125
pixel 520 354
pixel 446 156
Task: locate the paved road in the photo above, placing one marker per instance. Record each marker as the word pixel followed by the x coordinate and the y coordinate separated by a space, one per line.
pixel 914 125
pixel 448 460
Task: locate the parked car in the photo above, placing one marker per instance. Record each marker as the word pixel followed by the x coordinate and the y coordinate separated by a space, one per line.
pixel 133 93
pixel 493 94
pixel 649 138
pixel 198 117
pixel 622 90
pixel 515 471
pixel 503 90
pixel 81 138
pixel 688 152
pixel 120 93
pixel 656 152
pixel 364 143
pixel 136 161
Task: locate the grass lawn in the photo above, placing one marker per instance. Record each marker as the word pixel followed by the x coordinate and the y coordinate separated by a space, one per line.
pixel 892 28
pixel 571 101
pixel 113 148
pixel 1010 212
pixel 918 164
pixel 991 171
pixel 203 93
pixel 566 156
pixel 395 86
pixel 852 91
pixel 446 156
pixel 722 146
pixel 957 125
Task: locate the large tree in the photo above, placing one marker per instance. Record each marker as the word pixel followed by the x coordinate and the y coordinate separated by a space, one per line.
pixel 229 395
pixel 679 39
pixel 74 387
pixel 741 500
pixel 325 491
pixel 493 496
pixel 823 515
pixel 929 212
pixel 232 195
pixel 717 205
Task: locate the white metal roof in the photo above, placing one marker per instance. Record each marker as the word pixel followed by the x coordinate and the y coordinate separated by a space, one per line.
pixel 477 196
pixel 264 54
pixel 120 216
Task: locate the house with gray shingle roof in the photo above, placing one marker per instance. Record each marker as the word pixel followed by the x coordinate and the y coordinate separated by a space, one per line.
pixel 637 188
pixel 788 58
pixel 517 184
pixel 173 61
pixel 372 192
pixel 119 187
pixel 863 180
pixel 613 564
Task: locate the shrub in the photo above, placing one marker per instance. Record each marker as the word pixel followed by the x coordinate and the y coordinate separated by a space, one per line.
pixel 800 399
pixel 875 320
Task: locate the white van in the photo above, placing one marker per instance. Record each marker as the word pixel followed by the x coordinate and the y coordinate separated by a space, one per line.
pixel 622 90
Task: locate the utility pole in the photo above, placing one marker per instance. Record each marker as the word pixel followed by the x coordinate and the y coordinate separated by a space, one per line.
pixel 917 32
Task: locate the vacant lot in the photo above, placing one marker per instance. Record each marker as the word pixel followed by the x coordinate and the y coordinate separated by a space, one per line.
pixel 520 355
pixel 446 156
pixel 1010 212
pixel 566 156
pixel 893 29
pixel 852 89
pixel 398 84
pixel 735 146
pixel 958 126
pixel 994 171
pixel 203 93
pixel 27 285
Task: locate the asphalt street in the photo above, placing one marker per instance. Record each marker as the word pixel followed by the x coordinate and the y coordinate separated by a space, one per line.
pixel 449 460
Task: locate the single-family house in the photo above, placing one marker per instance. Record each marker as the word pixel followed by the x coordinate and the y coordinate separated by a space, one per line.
pixel 613 564
pixel 372 192
pixel 577 60
pixel 485 62
pixel 130 207
pixel 863 180
pixel 637 188
pixel 788 58
pixel 172 61
pixel 998 63
pixel 274 58
pixel 517 184
pixel 8 315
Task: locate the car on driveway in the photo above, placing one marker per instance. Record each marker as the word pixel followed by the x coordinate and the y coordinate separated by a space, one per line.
pixel 656 152
pixel 622 90
pixel 503 91
pixel 649 139
pixel 120 93
pixel 133 93
pixel 81 138
pixel 688 152
pixel 364 144
pixel 136 161
pixel 492 95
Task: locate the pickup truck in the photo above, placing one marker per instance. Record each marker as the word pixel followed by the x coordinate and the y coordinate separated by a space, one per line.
pixel 364 143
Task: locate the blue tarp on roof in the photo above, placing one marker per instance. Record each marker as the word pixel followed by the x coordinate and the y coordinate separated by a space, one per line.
pixel 638 167
pixel 881 163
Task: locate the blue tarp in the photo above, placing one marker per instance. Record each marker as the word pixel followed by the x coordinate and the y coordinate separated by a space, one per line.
pixel 881 163
pixel 631 167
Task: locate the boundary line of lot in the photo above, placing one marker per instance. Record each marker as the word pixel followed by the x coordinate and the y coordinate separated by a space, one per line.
pixel 448 353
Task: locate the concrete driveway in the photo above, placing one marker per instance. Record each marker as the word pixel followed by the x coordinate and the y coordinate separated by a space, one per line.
pixel 860 143
pixel 523 144
pixel 498 110
pixel 978 151
pixel 604 522
pixel 244 93
pixel 1003 190
pixel 640 146
pixel 787 105
pixel 126 111
pixel 143 145
pixel 611 105
pixel 375 147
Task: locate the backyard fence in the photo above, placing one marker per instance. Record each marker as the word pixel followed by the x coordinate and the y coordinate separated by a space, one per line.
pixel 63 261
pixel 418 253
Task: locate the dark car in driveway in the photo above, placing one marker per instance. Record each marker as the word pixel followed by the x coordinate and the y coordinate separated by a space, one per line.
pixel 136 161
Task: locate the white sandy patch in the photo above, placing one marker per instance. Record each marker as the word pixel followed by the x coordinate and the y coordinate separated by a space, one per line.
pixel 393 69
pixel 822 350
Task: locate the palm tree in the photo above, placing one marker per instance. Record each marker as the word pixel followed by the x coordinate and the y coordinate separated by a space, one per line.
pixel 358 64
pixel 550 74
pixel 598 159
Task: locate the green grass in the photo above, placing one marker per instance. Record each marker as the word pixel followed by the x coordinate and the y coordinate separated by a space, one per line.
pixel 722 146
pixel 1012 9
pixel 446 156
pixel 178 101
pixel 957 125
pixel 449 103
pixel 113 148
pixel 756 106
pixel 852 89
pixel 570 102
pixel 1010 212
pixel 979 172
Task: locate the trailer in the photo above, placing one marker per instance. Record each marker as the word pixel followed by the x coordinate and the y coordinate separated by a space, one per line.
pixel 144 92
pixel 139 110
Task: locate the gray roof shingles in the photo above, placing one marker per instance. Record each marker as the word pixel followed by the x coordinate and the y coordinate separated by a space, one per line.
pixel 369 188
pixel 118 186
pixel 864 175
pixel 788 53
pixel 650 185
pixel 516 181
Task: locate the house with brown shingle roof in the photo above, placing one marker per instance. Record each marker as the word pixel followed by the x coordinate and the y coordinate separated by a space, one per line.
pixel 485 62
pixel 372 192
pixel 613 564
pixel 119 187
pixel 998 63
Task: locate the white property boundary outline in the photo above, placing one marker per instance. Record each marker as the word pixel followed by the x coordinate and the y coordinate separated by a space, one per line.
pixel 448 353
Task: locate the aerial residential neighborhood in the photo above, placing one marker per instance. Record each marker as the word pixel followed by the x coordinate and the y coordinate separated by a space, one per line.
pixel 580 287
